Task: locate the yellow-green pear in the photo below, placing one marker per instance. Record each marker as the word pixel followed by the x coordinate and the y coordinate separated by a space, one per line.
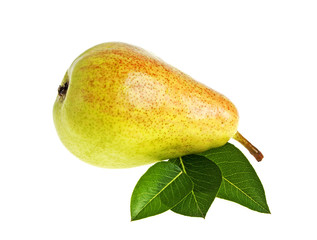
pixel 119 106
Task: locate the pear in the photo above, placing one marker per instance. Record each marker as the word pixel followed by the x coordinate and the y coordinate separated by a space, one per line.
pixel 119 106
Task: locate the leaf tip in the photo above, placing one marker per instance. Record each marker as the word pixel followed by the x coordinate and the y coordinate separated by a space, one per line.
pixel 203 215
pixel 133 219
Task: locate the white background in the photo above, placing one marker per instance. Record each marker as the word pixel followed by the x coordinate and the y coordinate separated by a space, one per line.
pixel 260 54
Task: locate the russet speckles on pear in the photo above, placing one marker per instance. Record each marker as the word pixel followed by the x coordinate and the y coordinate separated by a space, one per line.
pixel 125 108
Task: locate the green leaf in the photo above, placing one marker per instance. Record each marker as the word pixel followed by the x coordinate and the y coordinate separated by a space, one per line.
pixel 240 182
pixel 158 190
pixel 206 177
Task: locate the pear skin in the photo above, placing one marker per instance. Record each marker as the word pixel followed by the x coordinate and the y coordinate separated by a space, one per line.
pixel 119 106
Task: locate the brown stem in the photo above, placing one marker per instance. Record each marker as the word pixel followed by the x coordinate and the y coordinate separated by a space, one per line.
pixel 253 150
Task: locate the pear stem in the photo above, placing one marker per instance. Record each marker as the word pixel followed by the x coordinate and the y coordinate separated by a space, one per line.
pixel 252 149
